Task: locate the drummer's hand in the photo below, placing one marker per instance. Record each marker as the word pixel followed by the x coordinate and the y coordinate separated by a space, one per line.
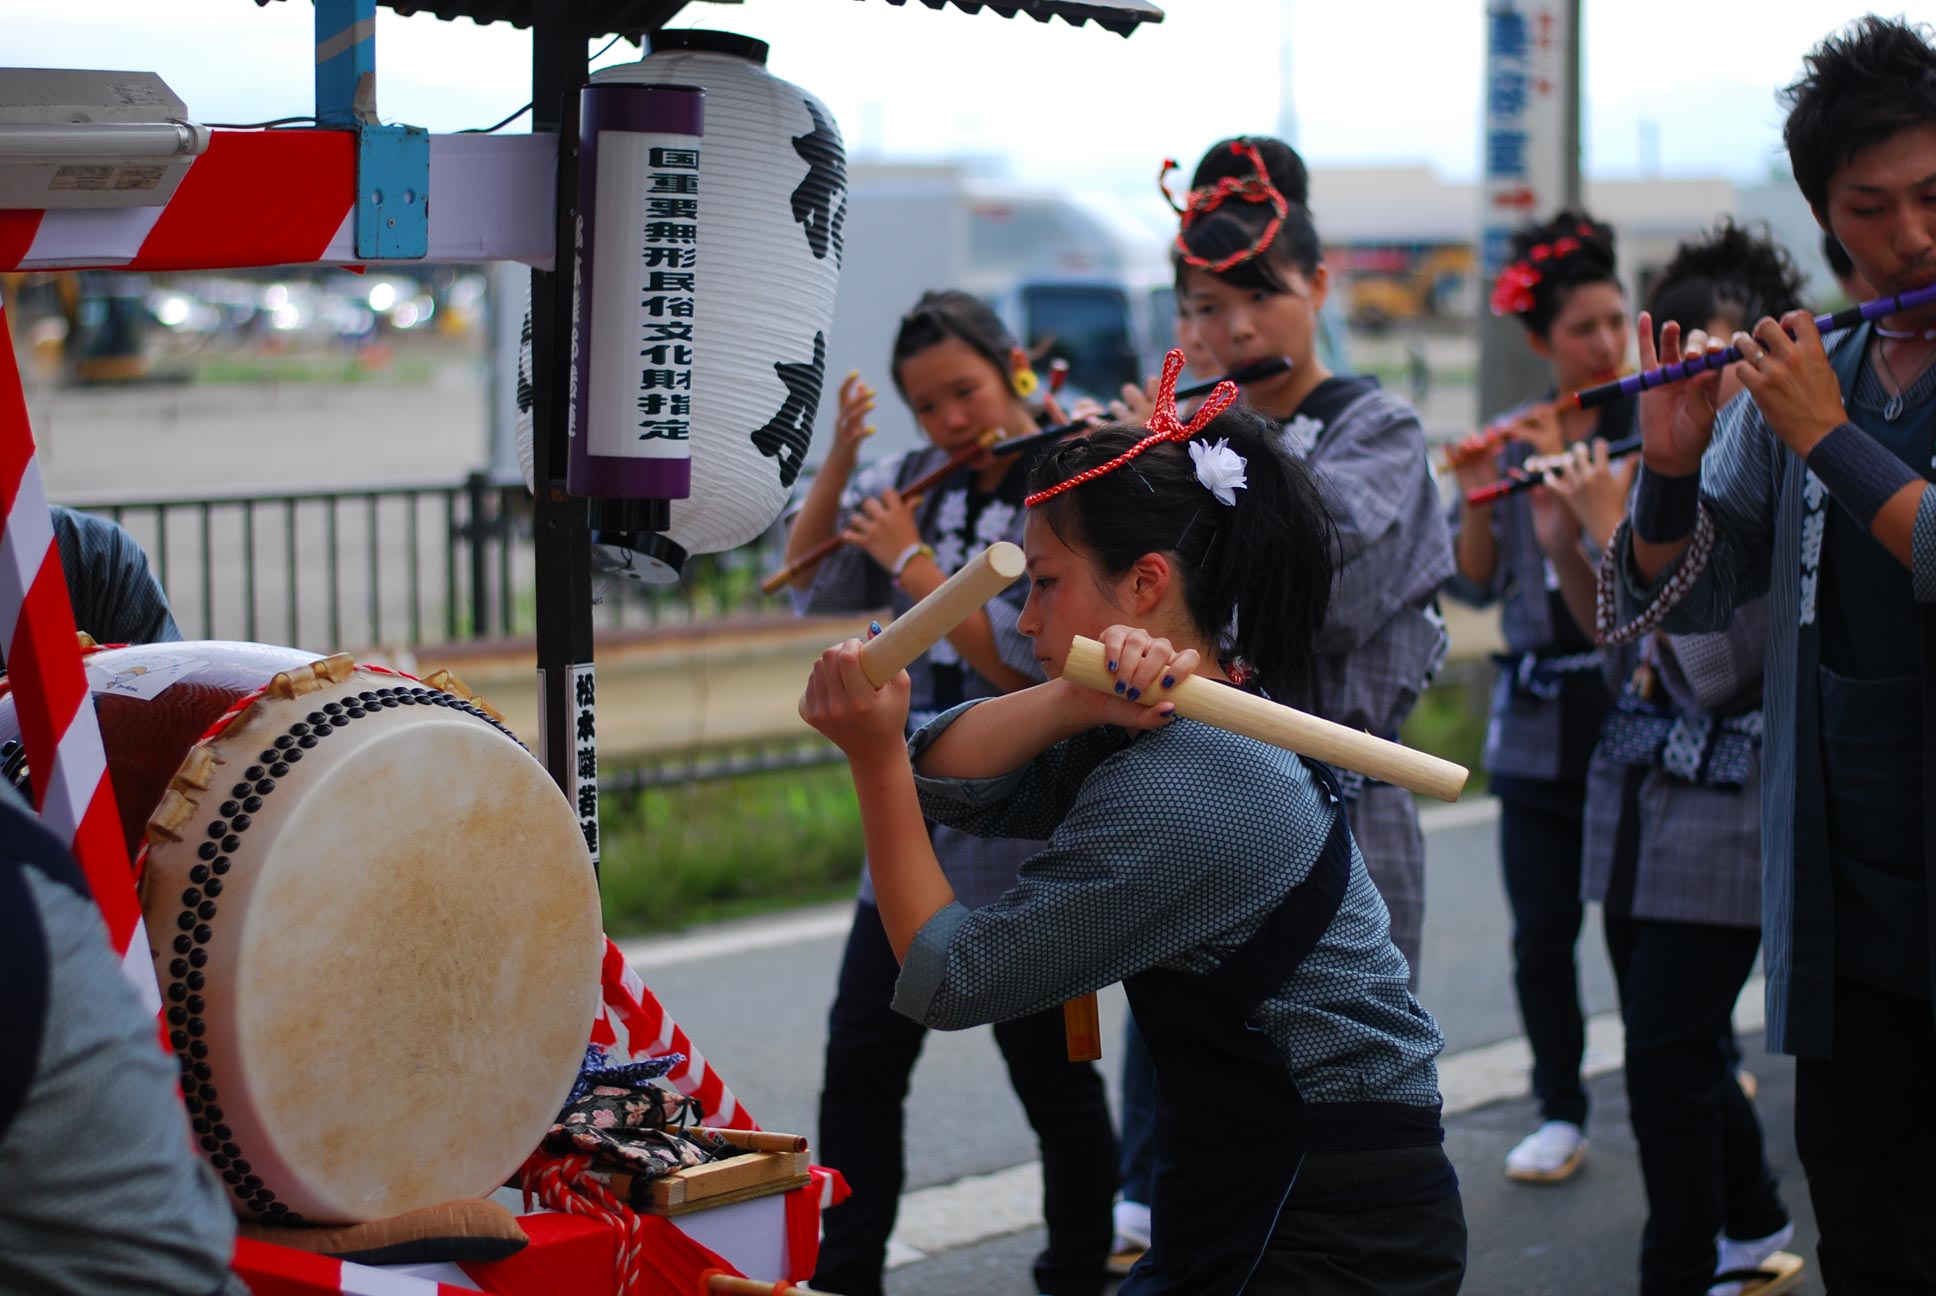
pixel 883 528
pixel 1677 418
pixel 861 720
pixel 850 425
pixel 1145 667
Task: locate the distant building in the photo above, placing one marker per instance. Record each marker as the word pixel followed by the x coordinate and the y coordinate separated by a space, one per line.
pixel 1402 240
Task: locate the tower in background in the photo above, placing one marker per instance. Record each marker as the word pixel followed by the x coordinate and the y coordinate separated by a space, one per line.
pixel 1286 128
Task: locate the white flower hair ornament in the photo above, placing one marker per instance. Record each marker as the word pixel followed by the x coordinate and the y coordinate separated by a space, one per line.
pixel 1220 469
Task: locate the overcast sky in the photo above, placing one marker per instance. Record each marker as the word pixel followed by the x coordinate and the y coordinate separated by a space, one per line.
pixel 1372 81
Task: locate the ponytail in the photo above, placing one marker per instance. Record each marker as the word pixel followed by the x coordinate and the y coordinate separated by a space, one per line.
pixel 1256 575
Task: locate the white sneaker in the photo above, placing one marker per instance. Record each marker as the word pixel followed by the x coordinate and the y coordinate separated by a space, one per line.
pixel 1132 1236
pixel 1782 1269
pixel 1549 1154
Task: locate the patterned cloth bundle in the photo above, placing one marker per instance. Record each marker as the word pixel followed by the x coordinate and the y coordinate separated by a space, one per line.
pixel 623 1121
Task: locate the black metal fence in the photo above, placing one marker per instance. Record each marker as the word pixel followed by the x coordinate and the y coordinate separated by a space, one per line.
pixel 390 565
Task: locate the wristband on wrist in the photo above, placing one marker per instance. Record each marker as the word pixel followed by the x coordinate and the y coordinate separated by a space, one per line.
pixel 908 555
pixel 1664 508
pixel 1858 471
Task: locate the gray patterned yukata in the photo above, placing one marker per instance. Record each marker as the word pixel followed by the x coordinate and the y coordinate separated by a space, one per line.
pixel 1167 852
pixel 1698 853
pixel 1769 512
pixel 115 595
pixel 1383 638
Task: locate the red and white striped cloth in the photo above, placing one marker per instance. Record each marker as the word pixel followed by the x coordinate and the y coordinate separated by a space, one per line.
pixel 57 725
pixel 635 1026
pixel 285 197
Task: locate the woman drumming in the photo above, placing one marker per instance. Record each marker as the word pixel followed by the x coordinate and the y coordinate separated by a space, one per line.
pixel 1215 876
pixel 1250 281
pixel 953 363
pixel 1673 852
pixel 1550 696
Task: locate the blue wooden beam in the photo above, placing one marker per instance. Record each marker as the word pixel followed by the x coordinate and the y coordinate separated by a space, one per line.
pixel 345 63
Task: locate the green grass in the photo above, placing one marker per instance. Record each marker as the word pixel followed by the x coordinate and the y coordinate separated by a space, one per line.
pixel 240 370
pixel 1450 721
pixel 727 847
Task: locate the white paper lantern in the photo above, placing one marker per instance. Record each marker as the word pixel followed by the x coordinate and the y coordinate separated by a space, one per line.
pixel 773 198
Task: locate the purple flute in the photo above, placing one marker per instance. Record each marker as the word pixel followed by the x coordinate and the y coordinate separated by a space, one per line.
pixel 1634 384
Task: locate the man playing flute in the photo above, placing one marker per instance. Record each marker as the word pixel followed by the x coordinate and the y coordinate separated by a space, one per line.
pixel 1814 490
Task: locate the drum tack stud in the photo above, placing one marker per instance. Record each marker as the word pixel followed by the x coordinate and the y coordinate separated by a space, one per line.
pixel 87 640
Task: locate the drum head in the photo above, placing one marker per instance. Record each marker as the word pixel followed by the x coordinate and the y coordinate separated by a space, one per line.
pixel 378 938
pixel 418 971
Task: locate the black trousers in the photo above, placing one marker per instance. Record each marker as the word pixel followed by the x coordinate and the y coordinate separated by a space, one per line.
pixel 1700 1143
pixel 1328 1244
pixel 1540 826
pixel 871 1051
pixel 1868 1145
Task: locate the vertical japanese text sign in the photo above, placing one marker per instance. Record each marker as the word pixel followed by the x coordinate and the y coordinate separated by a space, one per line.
pixel 1530 143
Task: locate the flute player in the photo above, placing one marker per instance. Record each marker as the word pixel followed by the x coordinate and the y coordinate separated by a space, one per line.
pixel 1814 489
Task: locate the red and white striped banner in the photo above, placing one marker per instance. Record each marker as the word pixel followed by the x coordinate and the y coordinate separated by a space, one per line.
pixel 287 197
pixel 57 725
pixel 650 1032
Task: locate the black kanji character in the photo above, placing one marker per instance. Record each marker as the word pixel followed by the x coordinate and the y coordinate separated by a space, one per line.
pixel 820 200
pixel 787 436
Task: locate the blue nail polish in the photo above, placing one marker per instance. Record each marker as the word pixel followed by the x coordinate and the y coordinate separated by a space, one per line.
pixel 1120 686
pixel 873 627
pixel 1134 694
pixel 1112 668
pixel 1169 681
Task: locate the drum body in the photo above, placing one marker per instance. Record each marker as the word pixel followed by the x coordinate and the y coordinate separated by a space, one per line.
pixel 374 921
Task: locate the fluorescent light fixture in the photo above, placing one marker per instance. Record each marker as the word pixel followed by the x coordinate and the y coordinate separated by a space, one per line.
pixel 58 141
pixel 77 137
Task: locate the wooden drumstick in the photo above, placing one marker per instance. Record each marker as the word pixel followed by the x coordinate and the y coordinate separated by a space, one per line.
pixel 925 624
pixel 750 1140
pixel 729 1285
pixel 1282 726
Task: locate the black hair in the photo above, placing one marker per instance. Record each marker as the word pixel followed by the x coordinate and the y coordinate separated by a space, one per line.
pixel 1591 262
pixel 950 313
pixel 1237 225
pixel 1861 85
pixel 1729 272
pixel 1839 262
pixel 1263 565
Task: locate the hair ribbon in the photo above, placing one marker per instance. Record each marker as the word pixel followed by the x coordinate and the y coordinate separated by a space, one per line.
pixel 1164 425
